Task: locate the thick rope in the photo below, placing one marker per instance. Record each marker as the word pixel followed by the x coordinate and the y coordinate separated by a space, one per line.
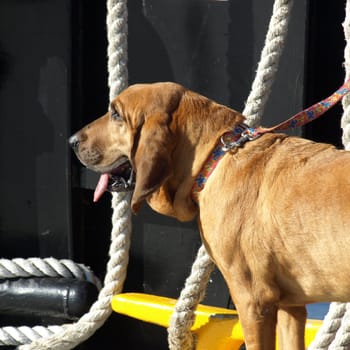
pixel 335 331
pixel 70 335
pixel 269 61
pixel 179 334
pixel 117 32
pixel 13 336
pixel 48 267
pixel 183 317
pixel 342 337
pixel 331 324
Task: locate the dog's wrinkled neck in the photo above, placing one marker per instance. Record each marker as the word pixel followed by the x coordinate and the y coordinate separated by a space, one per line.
pixel 197 125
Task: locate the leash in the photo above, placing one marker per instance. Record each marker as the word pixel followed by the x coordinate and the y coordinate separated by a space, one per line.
pixel 308 115
pixel 243 133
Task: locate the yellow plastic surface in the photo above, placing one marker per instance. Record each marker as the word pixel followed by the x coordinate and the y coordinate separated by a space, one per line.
pixel 215 327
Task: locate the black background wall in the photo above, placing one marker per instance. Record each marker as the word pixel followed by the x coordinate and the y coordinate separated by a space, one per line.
pixel 53 80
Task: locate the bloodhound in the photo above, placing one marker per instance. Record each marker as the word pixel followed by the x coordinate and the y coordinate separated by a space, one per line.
pixel 274 215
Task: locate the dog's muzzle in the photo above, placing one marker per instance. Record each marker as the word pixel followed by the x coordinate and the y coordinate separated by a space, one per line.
pixel 120 179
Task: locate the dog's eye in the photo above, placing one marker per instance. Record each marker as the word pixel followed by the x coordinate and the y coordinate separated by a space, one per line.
pixel 115 115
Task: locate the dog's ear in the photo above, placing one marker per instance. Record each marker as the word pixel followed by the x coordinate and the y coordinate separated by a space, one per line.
pixel 152 159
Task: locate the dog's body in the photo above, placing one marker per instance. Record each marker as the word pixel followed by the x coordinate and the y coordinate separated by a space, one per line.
pixel 274 215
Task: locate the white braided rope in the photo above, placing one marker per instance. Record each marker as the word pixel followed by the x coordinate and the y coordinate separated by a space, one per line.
pixel 342 337
pixel 70 335
pixel 335 331
pixel 48 267
pixel 22 335
pixel 117 32
pixel 179 334
pixel 183 317
pixel 269 60
pixel 331 324
pixel 36 267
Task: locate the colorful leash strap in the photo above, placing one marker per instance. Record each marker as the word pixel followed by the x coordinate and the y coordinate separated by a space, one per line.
pixel 307 115
pixel 243 133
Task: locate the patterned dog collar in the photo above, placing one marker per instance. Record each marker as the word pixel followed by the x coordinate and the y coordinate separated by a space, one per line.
pixel 227 141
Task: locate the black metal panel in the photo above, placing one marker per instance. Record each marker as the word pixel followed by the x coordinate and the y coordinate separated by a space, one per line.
pixel 35 118
pixel 213 47
pixel 324 67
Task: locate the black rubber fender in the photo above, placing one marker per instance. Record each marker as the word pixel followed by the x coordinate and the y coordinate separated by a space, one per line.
pixel 54 297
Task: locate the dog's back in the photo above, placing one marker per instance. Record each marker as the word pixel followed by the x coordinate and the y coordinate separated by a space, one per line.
pixel 283 204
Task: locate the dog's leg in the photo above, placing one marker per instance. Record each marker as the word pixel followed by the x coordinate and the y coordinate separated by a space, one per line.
pixel 291 327
pixel 256 299
pixel 259 325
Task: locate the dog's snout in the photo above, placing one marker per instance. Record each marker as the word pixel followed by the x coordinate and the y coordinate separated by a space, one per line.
pixel 74 141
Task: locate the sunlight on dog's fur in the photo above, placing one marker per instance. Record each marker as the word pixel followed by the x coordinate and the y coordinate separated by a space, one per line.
pixel 274 215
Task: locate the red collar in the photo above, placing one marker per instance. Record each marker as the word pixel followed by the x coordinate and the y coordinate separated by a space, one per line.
pixel 229 140
pixel 242 133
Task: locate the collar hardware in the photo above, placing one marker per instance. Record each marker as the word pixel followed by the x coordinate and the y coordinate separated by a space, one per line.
pixel 249 134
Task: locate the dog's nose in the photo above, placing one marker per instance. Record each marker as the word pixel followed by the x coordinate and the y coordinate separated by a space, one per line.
pixel 74 141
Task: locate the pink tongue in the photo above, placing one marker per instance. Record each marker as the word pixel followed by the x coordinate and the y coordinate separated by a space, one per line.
pixel 101 187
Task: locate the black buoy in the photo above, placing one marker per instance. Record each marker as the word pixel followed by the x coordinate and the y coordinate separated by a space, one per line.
pixel 53 297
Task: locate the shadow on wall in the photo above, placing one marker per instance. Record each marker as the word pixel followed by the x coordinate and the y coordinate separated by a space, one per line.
pixel 148 58
pixel 5 66
pixel 241 61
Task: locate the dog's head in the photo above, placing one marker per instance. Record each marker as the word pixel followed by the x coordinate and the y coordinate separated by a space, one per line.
pixel 133 136
pixel 163 133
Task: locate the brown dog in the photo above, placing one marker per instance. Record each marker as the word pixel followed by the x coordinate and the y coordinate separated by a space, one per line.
pixel 274 215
